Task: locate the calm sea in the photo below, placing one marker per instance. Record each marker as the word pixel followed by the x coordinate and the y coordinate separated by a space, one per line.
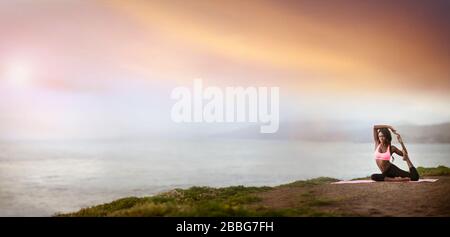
pixel 43 178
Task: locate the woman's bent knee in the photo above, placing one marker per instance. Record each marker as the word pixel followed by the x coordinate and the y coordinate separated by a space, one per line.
pixel 377 177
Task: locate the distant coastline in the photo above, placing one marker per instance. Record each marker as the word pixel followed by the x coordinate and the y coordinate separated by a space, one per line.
pixel 343 131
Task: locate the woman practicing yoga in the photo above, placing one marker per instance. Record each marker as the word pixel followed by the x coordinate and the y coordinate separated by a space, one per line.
pixel 383 152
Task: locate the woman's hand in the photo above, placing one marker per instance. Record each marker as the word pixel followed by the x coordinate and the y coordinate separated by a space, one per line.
pixel 393 130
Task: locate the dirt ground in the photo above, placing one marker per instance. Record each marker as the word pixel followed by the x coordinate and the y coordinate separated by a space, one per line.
pixel 369 199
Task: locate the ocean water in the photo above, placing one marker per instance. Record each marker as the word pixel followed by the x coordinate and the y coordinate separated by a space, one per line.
pixel 41 178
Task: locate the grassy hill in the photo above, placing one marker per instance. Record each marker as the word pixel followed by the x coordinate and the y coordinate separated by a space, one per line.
pixel 315 197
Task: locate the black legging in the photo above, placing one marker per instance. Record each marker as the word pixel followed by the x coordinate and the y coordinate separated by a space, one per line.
pixel 393 171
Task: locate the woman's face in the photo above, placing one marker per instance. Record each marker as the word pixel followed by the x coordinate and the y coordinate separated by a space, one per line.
pixel 381 137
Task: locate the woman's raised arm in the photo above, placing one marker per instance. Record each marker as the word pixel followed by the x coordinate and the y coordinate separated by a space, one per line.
pixel 400 140
pixel 375 132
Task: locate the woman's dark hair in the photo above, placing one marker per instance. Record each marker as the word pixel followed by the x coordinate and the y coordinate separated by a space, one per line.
pixel 387 135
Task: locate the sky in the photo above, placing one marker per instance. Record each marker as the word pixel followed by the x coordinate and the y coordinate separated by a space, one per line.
pixel 106 68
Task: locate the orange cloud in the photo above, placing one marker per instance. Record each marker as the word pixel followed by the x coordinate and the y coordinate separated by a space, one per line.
pixel 380 54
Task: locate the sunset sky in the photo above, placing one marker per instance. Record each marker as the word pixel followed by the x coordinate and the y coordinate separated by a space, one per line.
pixel 84 68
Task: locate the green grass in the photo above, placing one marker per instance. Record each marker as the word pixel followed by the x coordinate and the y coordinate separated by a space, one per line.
pixel 228 201
pixel 195 201
pixel 206 201
pixel 362 178
pixel 437 171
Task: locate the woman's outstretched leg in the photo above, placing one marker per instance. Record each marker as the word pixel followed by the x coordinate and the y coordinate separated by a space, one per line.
pixel 414 175
pixel 393 171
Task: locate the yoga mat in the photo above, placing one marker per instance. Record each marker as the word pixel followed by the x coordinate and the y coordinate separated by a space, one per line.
pixel 371 181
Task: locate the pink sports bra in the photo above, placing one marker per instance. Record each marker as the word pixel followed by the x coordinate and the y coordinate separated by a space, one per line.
pixel 382 156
